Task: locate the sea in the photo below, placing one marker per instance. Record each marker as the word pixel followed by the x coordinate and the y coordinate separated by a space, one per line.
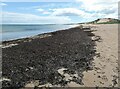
pixel 16 31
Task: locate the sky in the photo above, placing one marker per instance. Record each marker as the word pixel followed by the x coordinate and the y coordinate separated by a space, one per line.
pixel 53 12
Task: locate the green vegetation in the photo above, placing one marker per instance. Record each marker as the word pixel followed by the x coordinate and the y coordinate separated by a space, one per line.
pixel 110 21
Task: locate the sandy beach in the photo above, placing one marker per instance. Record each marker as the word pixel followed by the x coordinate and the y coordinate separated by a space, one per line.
pixel 105 70
pixel 49 44
pixel 74 57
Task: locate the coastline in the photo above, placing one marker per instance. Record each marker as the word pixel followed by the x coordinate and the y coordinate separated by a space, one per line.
pixel 61 56
pixel 76 57
pixel 12 42
pixel 26 31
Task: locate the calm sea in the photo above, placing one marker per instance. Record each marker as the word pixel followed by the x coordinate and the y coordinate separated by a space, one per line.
pixel 10 32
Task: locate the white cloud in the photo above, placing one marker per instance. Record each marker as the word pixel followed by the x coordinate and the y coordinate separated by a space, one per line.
pixel 46 12
pixel 39 9
pixel 77 12
pixel 10 17
pixel 3 4
pixel 69 12
pixel 97 1
pixel 98 5
pixel 112 15
pixel 105 8
pixel 43 11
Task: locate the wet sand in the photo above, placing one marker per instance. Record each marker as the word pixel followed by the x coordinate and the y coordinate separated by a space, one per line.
pixel 55 59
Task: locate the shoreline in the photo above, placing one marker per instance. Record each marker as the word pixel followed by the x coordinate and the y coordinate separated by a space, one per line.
pixel 22 40
pixel 40 32
pixel 61 57
pixel 13 42
pixel 74 57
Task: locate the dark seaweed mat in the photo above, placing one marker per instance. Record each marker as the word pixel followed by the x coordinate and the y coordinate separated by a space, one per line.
pixel 72 49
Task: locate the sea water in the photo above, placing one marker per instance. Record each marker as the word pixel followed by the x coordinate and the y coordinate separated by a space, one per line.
pixel 13 31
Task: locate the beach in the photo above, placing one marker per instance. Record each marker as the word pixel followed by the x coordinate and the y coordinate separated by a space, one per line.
pixel 74 57
pixel 105 70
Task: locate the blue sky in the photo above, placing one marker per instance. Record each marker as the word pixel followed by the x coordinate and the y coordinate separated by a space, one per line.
pixel 58 12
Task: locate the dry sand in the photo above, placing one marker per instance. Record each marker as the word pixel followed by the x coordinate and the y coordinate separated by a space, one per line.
pixel 105 70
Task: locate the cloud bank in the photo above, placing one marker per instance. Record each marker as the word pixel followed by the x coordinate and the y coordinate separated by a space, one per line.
pixel 10 17
pixel 85 9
